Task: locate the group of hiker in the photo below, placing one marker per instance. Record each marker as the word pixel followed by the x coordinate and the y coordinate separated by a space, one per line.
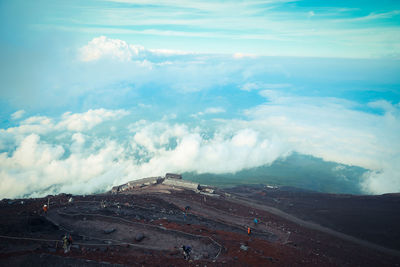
pixel 186 252
pixel 255 221
pixel 66 239
pixel 67 242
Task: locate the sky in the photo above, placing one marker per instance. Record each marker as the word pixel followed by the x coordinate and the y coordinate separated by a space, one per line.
pixel 96 93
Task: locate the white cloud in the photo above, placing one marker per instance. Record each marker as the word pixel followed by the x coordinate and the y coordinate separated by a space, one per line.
pixel 69 121
pixel 210 110
pixel 239 55
pixel 214 110
pixel 103 47
pixel 226 152
pixel 333 130
pixel 61 158
pixel 119 50
pixel 80 164
pixel 144 105
pixel 18 114
pixel 89 119
pixel 373 16
pixel 35 124
pixel 252 86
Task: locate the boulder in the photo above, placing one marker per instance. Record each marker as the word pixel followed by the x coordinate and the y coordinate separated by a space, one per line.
pixel 139 237
pixel 109 231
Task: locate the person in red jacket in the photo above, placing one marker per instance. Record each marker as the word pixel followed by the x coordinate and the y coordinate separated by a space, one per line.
pixel 45 209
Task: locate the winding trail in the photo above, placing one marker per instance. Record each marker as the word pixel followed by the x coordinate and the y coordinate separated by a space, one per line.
pixel 310 225
pixel 235 221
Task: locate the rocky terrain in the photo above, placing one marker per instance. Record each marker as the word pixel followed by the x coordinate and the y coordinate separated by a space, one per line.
pixel 147 223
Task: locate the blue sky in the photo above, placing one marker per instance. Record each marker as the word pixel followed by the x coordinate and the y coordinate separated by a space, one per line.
pixel 354 29
pixel 143 88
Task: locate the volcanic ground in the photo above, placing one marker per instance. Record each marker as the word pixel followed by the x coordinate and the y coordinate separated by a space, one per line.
pixel 148 225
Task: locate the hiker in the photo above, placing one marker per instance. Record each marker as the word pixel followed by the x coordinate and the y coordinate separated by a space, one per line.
pixel 67 242
pixel 186 252
pixel 187 208
pixel 248 230
pixel 255 221
pixel 45 209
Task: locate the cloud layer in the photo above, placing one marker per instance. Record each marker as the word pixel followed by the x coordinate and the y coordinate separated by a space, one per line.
pixel 174 112
pixel 77 153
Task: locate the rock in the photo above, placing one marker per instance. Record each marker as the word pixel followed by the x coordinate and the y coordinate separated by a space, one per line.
pixel 271 259
pixel 109 231
pixel 139 237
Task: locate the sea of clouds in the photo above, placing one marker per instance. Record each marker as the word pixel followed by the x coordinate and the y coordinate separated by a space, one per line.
pixel 77 153
pixel 93 150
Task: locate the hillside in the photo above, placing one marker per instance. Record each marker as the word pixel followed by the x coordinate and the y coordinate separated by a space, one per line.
pixel 147 223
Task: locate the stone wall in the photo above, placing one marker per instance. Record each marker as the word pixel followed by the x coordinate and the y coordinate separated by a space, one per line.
pixel 181 183
pixel 173 176
pixel 137 183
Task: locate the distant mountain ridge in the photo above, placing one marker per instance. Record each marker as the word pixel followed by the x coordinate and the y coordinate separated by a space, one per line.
pixel 297 170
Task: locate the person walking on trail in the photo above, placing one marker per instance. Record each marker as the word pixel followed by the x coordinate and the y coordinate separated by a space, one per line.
pixel 186 252
pixel 45 209
pixel 255 221
pixel 67 242
pixel 248 230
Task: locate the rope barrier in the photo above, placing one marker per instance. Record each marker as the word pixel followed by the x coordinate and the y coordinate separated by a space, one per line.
pixel 116 242
pixel 143 224
pixel 55 240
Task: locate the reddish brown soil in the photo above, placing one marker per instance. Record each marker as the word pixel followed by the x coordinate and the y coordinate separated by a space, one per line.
pixel 215 227
pixel 371 218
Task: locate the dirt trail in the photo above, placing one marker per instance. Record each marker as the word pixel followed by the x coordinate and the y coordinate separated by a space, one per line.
pixel 313 226
pixel 124 232
pixel 239 222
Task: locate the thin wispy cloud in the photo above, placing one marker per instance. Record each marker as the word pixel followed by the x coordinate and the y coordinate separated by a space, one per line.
pixel 18 114
pixel 292 27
